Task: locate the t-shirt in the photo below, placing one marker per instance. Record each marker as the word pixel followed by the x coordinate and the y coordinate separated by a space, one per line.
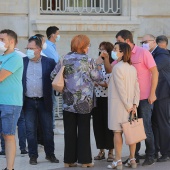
pixel 11 90
pixel 143 61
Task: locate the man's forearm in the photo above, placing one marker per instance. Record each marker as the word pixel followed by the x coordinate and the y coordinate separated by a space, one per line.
pixel 154 81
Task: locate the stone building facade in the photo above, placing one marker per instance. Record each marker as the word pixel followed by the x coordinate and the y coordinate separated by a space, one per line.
pixel 28 17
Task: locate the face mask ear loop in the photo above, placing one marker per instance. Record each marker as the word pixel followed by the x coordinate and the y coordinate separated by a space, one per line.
pixel 49 36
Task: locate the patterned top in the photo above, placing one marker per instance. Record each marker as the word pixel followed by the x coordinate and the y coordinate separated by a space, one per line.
pixel 103 91
pixel 80 72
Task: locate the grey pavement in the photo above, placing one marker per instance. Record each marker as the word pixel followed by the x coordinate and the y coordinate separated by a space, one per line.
pixel 22 163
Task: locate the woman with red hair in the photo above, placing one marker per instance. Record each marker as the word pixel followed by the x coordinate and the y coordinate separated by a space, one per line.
pixel 79 74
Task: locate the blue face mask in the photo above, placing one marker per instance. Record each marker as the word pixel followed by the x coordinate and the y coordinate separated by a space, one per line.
pixel 57 38
pixel 114 55
pixel 30 54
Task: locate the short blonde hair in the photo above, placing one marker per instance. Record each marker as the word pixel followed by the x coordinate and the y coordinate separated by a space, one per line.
pixel 79 43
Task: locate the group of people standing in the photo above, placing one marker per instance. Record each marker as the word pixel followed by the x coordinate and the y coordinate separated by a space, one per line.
pixel 26 90
pixel 124 78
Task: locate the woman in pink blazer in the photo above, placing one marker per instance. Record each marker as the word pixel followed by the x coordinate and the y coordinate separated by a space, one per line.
pixel 123 97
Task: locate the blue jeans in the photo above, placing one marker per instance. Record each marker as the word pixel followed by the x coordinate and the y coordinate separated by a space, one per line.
pixel 145 112
pixel 21 134
pixel 9 115
pixel 32 109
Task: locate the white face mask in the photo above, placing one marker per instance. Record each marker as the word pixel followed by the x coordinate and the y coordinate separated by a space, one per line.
pixel 44 46
pixel 2 46
pixel 57 38
pixel 114 55
pixel 146 46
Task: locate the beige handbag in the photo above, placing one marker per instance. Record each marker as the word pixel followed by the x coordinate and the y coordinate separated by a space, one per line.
pixel 134 130
pixel 58 82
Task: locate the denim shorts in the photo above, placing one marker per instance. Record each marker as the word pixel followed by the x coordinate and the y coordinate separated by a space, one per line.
pixel 9 115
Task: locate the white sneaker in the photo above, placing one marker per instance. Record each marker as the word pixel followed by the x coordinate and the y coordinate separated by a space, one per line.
pixel 58 132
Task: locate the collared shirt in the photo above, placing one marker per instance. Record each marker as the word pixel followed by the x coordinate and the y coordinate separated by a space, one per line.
pixel 153 49
pixel 34 86
pixel 143 61
pixel 51 51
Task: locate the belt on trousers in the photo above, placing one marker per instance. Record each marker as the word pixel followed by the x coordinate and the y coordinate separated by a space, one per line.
pixel 35 98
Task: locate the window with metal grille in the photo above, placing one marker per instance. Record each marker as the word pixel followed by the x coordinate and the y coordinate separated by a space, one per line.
pixel 81 7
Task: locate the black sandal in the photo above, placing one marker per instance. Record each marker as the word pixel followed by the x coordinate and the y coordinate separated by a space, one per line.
pixel 100 156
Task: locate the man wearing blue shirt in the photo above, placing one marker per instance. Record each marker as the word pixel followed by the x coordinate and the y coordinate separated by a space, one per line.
pixel 11 92
pixel 53 36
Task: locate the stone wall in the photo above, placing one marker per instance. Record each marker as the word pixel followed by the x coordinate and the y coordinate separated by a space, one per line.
pixel 140 17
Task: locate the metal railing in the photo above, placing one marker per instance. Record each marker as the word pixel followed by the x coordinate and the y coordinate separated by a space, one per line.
pixel 80 7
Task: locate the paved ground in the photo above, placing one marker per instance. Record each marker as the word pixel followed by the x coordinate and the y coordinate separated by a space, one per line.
pixel 22 163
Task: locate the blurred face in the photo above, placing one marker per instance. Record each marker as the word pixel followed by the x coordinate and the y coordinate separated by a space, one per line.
pixel 54 36
pixel 8 41
pixel 163 44
pixel 101 48
pixel 117 50
pixel 32 46
pixel 120 39
pixel 147 40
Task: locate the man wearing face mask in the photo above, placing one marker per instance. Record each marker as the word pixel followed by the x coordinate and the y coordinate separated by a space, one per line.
pixel 147 73
pixel 161 109
pixel 11 69
pixel 53 36
pixel 44 44
pixel 38 99
pixel 50 51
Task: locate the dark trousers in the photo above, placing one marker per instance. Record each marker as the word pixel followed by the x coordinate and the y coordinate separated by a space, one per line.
pixel 77 138
pixel 32 110
pixel 161 122
pixel 145 112
pixel 103 136
pixel 40 139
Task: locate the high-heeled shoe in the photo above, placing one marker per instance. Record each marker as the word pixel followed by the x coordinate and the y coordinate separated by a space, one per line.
pixel 131 164
pixel 115 165
pixel 67 165
pixel 87 165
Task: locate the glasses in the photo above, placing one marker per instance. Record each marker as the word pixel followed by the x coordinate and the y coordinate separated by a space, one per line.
pixel 30 48
pixel 145 42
